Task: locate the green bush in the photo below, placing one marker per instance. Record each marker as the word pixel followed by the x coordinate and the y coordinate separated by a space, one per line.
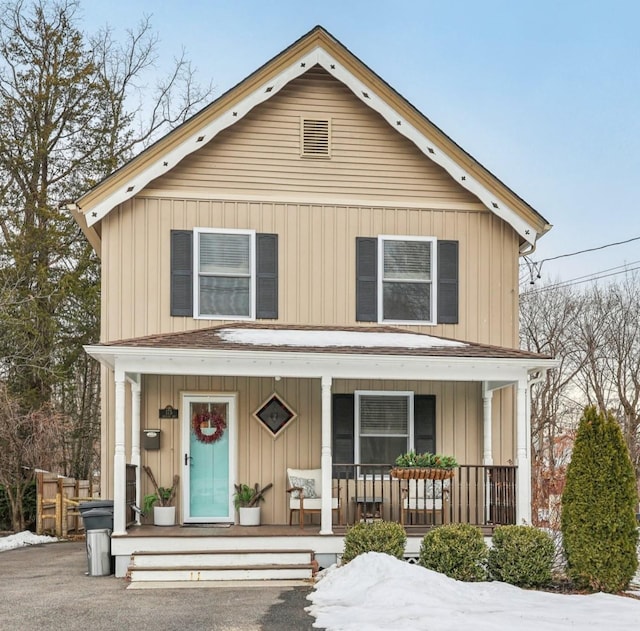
pixel 521 555
pixel 377 536
pixel 457 550
pixel 598 507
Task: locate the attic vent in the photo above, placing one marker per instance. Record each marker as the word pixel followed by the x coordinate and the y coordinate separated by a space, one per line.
pixel 315 138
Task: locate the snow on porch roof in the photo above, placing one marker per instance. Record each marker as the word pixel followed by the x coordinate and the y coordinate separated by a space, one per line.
pixel 383 340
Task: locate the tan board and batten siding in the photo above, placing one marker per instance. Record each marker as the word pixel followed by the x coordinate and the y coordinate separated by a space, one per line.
pixel 253 177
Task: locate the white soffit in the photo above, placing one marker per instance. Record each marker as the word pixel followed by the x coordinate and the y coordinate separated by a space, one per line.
pixel 266 91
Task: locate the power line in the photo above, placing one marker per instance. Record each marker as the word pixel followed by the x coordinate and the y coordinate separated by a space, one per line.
pixel 623 268
pixel 561 256
pixel 572 282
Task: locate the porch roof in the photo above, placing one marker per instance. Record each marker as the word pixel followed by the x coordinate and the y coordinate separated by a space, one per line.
pixel 259 349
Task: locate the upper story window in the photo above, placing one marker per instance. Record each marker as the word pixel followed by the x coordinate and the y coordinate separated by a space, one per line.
pixel 406 280
pixel 224 274
pixel 406 290
pixel 225 279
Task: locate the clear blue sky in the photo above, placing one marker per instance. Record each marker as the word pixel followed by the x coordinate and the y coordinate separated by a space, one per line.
pixel 545 94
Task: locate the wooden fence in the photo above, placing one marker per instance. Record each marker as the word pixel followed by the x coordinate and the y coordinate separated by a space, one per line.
pixel 58 499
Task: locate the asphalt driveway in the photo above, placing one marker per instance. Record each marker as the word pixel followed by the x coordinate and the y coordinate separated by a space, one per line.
pixel 45 587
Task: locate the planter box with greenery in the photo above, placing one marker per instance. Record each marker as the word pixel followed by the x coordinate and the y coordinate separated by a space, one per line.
pixel 413 466
pixel 161 501
pixel 247 500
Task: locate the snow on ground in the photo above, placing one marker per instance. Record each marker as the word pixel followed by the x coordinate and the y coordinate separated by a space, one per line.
pixel 24 538
pixel 378 592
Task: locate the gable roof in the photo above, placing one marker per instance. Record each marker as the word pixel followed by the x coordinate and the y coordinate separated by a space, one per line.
pixel 318 47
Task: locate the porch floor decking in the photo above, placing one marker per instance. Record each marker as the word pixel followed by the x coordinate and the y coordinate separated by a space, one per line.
pixel 265 530
pixel 192 530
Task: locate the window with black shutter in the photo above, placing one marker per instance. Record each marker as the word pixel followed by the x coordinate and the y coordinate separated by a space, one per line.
pixel 406 280
pixel 375 427
pixel 229 274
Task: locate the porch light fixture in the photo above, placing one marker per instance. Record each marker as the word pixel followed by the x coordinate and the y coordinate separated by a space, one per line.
pixel 274 414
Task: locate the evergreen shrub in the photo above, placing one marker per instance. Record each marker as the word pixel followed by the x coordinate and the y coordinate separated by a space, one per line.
pixel 598 523
pixel 521 555
pixel 457 550
pixel 377 536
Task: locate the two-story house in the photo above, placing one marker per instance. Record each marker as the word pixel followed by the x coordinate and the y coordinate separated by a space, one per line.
pixel 309 274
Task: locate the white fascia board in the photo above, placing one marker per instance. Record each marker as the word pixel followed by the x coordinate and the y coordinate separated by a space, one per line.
pixel 169 160
pixel 266 91
pixel 428 147
pixel 312 365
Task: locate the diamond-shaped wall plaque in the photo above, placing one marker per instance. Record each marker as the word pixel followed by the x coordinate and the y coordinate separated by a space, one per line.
pixel 275 414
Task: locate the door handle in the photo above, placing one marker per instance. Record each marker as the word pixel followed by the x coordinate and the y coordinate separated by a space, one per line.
pixel 187 459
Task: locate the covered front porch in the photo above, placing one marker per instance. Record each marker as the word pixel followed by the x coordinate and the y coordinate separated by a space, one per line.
pixel 482 493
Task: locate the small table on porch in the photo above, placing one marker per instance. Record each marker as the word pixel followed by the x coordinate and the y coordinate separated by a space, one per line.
pixel 367 508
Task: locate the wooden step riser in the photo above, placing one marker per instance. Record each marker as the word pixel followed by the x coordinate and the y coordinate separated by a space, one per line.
pixel 231 574
pixel 204 560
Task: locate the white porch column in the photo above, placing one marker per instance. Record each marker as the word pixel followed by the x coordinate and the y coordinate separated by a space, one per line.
pixel 326 459
pixel 119 460
pixel 135 438
pixel 523 476
pixel 487 450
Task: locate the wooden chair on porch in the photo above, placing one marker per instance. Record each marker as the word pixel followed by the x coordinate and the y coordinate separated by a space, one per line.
pixel 305 494
pixel 426 499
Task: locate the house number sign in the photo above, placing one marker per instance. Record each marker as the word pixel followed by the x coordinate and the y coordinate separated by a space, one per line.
pixel 168 411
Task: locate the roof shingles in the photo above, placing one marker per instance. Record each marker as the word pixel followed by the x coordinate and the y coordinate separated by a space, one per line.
pixel 213 338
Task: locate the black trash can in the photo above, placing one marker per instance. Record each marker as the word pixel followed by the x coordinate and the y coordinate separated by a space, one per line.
pixel 98 519
pixel 97 516
pixel 83 507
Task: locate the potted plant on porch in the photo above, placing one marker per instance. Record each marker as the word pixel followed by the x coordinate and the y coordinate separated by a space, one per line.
pixel 247 500
pixel 413 466
pixel 161 500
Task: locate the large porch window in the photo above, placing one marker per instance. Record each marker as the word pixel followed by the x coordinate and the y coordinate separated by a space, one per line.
pixel 375 427
pixel 384 426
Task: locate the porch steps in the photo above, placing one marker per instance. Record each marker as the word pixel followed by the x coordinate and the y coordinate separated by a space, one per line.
pixel 221 565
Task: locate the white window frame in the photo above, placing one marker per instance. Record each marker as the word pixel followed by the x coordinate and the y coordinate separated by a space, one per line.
pixel 196 273
pixel 433 282
pixel 409 394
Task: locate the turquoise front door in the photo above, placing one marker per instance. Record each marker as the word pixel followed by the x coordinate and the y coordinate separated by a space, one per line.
pixel 209 462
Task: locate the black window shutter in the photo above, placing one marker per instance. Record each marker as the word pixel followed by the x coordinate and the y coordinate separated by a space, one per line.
pixel 267 276
pixel 181 273
pixel 424 423
pixel 366 279
pixel 342 434
pixel 447 282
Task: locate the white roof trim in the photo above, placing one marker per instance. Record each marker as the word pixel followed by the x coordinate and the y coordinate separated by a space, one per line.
pixel 266 91
pixel 260 363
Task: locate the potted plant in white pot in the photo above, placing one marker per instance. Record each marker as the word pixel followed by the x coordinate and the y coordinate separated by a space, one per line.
pixel 247 500
pixel 161 500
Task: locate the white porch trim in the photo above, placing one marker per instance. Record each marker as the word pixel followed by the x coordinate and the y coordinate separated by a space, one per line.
pixel 326 458
pixel 135 436
pixel 523 472
pixel 119 458
pixel 315 364
pixel 487 421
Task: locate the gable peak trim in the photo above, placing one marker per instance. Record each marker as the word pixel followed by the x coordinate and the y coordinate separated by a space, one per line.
pixel 318 55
